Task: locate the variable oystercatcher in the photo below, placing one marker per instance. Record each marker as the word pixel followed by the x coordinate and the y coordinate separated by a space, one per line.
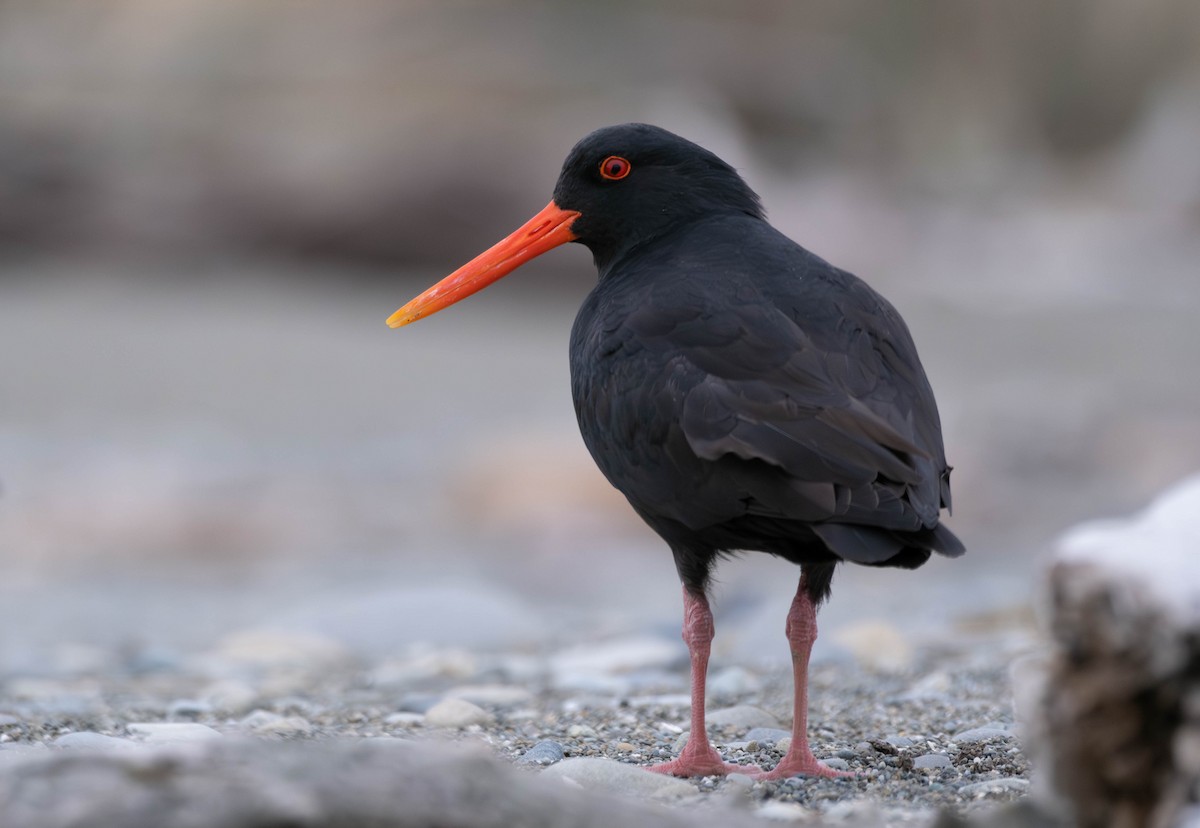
pixel 742 393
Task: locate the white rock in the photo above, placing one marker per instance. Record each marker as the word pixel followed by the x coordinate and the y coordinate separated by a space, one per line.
pixel 457 713
pixel 609 776
pixel 784 812
pixel 1124 612
pixel 170 732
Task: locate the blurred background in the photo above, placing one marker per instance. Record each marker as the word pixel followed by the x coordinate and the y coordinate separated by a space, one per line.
pixel 208 208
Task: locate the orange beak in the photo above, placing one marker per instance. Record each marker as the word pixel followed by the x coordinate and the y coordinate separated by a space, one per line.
pixel 548 229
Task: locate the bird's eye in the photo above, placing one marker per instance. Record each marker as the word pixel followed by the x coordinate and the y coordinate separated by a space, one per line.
pixel 614 168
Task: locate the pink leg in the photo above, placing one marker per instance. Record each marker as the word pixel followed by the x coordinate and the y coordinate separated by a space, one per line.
pixel 801 633
pixel 698 757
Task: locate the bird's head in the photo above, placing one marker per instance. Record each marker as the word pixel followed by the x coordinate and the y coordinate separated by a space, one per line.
pixel 620 187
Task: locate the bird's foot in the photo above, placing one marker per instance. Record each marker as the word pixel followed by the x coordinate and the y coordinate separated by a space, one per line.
pixel 701 763
pixel 804 764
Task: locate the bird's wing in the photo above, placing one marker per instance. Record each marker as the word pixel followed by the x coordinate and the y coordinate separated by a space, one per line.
pixel 816 413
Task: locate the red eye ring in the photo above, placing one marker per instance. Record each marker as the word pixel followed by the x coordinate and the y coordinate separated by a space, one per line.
pixel 614 168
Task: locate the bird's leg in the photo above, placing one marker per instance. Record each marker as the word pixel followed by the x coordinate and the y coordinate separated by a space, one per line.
pixel 801 633
pixel 698 757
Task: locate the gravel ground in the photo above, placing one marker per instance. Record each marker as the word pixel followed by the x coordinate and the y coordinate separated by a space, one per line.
pixel 935 737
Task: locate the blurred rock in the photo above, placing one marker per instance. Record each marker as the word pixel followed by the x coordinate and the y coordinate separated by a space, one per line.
pixel 168 732
pixel 741 716
pixel 608 776
pixel 457 713
pixel 876 645
pixel 251 784
pixel 1120 726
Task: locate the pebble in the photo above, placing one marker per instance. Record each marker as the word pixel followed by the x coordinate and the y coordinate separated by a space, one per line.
pixel 896 740
pixel 741 716
pixel 931 761
pixel 543 753
pixel 404 718
pixel 457 713
pixel 836 764
pixel 89 740
pixel 581 731
pixel 982 734
pixel 608 776
pixel 166 732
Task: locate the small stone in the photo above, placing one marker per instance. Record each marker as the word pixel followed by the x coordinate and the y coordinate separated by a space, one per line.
pixel 743 716
pixel 404 718
pixel 544 753
pixel 898 741
pixel 581 731
pixel 169 732
pixel 457 713
pixel 88 740
pixel 836 764
pixel 625 747
pixel 784 745
pixel 932 761
pixel 846 753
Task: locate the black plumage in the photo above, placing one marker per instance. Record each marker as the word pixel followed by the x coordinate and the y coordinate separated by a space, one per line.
pixel 741 392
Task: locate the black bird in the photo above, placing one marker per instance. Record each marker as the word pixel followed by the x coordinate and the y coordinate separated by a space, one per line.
pixel 742 393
